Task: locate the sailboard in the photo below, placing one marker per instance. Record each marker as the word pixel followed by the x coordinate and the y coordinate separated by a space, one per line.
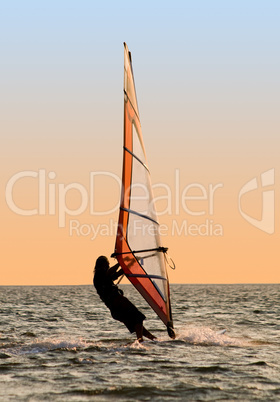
pixel 138 246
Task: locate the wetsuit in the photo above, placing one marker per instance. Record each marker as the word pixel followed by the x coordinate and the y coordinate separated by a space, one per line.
pixel 121 308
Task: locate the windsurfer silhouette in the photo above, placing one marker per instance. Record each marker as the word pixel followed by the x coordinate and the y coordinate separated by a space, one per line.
pixel 120 307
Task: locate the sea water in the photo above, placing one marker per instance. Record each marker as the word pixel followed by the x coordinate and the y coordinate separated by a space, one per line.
pixel 61 344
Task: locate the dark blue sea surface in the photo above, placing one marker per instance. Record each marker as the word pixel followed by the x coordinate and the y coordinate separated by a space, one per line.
pixel 61 344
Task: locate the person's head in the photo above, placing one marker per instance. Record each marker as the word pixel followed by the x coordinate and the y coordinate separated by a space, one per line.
pixel 102 263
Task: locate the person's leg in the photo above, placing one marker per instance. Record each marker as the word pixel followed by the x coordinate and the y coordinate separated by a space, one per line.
pixel 139 332
pixel 147 334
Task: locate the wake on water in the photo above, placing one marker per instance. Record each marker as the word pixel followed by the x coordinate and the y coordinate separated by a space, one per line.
pixel 202 336
pixel 208 337
pixel 45 345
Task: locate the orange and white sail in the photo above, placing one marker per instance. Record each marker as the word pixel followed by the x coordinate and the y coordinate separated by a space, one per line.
pixel 138 246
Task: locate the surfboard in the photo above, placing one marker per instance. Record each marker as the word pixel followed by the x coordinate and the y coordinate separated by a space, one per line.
pixel 221 332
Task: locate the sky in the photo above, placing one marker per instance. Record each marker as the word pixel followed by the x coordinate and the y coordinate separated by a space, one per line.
pixel 207 82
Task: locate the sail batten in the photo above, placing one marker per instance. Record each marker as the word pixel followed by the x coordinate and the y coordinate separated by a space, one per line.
pixel 146 276
pixel 136 111
pixel 136 157
pixel 138 227
pixel 140 215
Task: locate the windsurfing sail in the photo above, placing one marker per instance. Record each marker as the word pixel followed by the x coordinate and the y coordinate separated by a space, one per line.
pixel 138 246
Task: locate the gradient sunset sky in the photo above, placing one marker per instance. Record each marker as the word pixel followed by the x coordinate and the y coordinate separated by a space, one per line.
pixel 208 84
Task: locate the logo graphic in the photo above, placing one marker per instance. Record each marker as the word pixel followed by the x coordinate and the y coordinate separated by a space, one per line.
pixel 266 224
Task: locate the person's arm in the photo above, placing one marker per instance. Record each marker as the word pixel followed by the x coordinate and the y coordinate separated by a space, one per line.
pixel 114 272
